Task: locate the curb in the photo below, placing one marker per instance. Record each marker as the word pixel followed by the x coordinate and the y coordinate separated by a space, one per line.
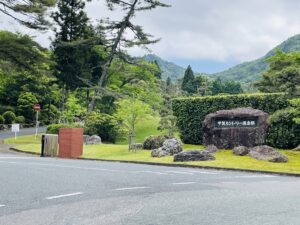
pixel 195 167
pixel 21 151
pixel 177 165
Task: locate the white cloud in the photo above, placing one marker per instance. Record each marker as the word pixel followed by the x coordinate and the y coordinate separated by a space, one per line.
pixel 219 30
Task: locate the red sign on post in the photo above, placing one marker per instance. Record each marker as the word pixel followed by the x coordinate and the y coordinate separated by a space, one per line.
pixel 37 107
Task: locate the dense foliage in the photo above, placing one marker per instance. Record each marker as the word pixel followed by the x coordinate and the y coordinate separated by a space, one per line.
pixel 190 112
pixel 54 128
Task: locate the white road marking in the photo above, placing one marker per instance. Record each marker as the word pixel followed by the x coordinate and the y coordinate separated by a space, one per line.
pixel 177 172
pixel 131 188
pixel 65 195
pixel 2 206
pixel 255 176
pixel 203 172
pixel 184 183
pixel 160 173
pixel 14 157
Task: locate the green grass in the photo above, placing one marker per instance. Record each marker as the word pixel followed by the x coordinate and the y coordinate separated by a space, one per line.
pixel 28 139
pixel 144 129
pixel 224 158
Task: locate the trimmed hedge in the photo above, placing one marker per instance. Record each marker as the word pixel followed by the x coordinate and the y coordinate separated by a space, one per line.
pixel 54 128
pixel 190 112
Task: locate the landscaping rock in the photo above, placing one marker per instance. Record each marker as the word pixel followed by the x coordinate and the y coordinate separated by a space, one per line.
pixel 170 147
pixel 240 150
pixel 297 148
pixel 136 146
pixel 154 142
pixel 92 140
pixel 158 153
pixel 194 155
pixel 212 148
pixel 267 153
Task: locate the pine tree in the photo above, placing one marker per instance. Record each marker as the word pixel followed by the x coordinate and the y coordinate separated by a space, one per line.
pixel 188 82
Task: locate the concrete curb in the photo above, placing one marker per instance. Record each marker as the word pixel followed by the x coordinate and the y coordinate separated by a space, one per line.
pixel 195 167
pixel 178 165
pixel 21 151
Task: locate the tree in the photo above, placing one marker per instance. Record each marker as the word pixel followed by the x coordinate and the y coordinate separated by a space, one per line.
pixel 188 82
pixel 29 13
pixel 119 33
pixel 283 74
pixel 167 119
pixel 130 111
pixel 217 87
pixel 26 101
pixel 21 52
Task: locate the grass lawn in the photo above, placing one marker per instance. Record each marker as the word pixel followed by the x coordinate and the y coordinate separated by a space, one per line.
pixel 224 158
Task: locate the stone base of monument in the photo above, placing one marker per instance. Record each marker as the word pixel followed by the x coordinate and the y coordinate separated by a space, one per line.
pixel 267 153
pixel 227 129
pixel 193 155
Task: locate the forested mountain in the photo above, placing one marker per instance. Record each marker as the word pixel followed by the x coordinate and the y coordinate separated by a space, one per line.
pixel 250 71
pixel 169 69
pixel 245 73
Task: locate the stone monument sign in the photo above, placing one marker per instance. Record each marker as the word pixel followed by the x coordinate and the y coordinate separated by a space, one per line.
pixel 237 127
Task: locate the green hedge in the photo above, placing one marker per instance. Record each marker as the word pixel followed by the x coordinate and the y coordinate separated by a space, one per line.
pixel 54 128
pixel 190 112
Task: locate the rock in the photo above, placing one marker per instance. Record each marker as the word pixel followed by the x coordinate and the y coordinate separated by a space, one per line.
pixel 158 153
pixel 154 142
pixel 240 150
pixel 194 155
pixel 297 148
pixel 227 129
pixel 92 140
pixel 136 146
pixel 267 153
pixel 211 148
pixel 85 138
pixel 170 147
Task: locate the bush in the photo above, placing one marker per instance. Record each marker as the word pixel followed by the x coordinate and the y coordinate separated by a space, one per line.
pixel 103 125
pixel 20 119
pixel 284 130
pixel 54 128
pixel 9 117
pixel 4 108
pixel 154 142
pixel 25 104
pixel 1 120
pixel 190 112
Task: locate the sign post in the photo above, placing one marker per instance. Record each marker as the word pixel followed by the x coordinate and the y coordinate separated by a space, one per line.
pixel 15 128
pixel 37 108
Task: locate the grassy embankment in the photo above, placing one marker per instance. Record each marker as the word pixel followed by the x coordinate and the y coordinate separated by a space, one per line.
pixel 119 151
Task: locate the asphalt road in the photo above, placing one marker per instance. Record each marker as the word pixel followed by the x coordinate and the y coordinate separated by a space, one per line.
pixel 46 191
pixel 23 131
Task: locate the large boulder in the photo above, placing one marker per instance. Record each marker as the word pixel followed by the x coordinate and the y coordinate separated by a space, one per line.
pixel 240 150
pixel 154 142
pixel 92 140
pixel 227 129
pixel 267 153
pixel 194 155
pixel 170 147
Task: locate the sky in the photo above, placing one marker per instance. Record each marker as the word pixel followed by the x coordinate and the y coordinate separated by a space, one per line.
pixel 209 35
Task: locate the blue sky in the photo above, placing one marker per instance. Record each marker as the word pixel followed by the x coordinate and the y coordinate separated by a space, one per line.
pixel 209 35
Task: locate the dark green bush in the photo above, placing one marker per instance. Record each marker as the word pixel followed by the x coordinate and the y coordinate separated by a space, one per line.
pixel 4 108
pixel 190 112
pixel 20 119
pixel 103 125
pixel 284 130
pixel 9 117
pixel 54 128
pixel 154 142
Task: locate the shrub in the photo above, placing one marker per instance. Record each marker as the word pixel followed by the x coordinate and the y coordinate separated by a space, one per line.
pixel 154 142
pixel 4 108
pixel 284 130
pixel 20 119
pixel 1 120
pixel 54 128
pixel 103 125
pixel 190 112
pixel 25 104
pixel 9 117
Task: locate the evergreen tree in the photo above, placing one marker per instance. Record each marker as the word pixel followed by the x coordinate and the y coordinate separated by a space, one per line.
pixel 217 87
pixel 188 82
